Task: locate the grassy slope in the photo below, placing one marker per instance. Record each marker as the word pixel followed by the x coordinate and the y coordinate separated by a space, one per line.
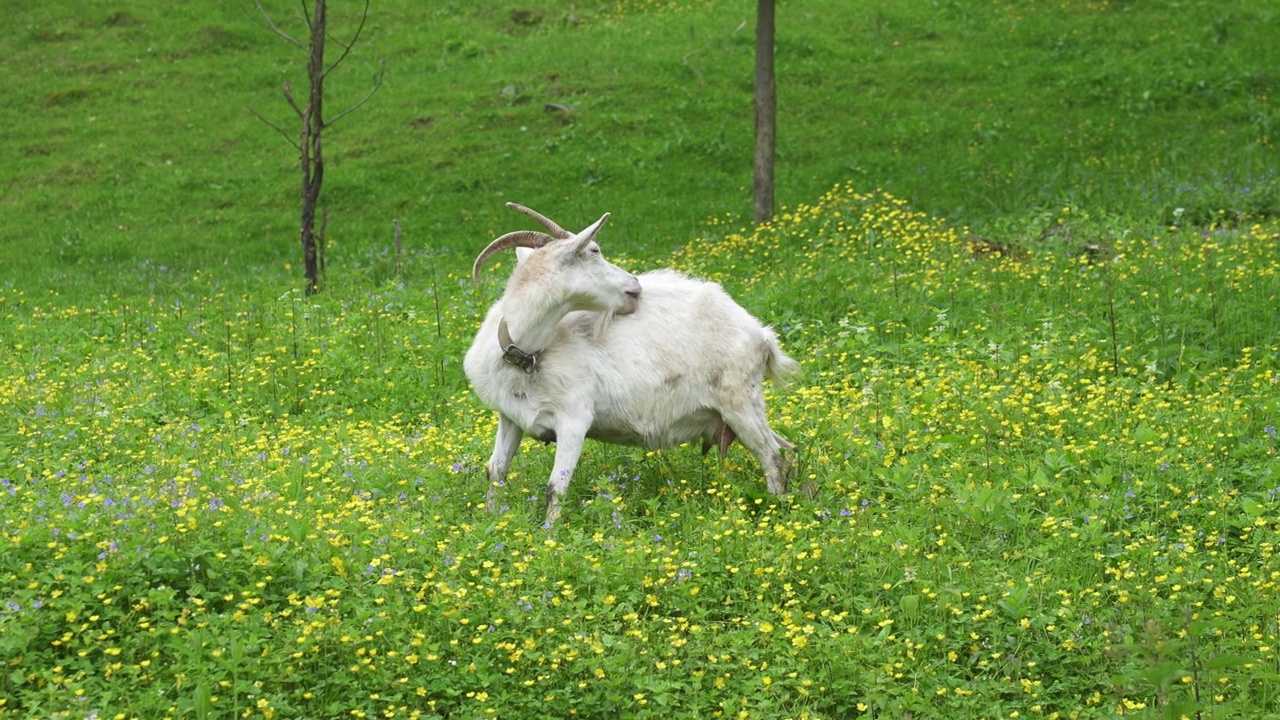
pixel 128 116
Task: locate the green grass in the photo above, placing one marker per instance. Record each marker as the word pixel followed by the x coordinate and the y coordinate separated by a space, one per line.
pixel 124 115
pixel 1031 274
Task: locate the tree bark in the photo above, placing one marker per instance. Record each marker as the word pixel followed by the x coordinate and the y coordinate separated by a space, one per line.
pixel 766 101
pixel 312 156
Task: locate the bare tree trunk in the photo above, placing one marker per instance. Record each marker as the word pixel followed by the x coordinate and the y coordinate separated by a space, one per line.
pixel 766 100
pixel 312 159
pixel 310 148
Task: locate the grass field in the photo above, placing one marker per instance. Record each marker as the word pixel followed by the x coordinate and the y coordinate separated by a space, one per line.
pixel 1029 260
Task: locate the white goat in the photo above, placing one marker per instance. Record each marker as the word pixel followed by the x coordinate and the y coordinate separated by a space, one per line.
pixel 577 348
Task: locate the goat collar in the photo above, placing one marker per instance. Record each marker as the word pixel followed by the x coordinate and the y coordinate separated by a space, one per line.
pixel 526 361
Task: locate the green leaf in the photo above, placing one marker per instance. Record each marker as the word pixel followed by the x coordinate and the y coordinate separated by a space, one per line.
pixel 1218 662
pixel 910 605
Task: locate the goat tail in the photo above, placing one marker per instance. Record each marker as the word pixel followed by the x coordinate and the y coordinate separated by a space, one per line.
pixel 777 365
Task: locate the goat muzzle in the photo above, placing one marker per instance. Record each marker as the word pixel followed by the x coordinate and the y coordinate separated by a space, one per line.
pixel 632 303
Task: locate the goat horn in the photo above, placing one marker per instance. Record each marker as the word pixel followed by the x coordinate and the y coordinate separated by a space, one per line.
pixel 559 232
pixel 521 238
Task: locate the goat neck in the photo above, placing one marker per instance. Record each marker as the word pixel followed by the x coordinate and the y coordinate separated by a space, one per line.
pixel 528 321
pixel 513 354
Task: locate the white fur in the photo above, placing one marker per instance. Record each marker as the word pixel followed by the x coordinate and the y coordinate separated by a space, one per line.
pixel 681 363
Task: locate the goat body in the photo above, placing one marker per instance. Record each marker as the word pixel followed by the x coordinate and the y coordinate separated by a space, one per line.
pixel 671 360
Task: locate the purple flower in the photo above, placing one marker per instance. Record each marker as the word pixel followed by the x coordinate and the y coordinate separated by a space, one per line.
pixel 1270 430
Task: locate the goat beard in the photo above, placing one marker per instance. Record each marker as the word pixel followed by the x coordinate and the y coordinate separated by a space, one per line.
pixel 603 321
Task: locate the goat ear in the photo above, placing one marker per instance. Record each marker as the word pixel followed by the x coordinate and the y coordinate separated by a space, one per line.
pixel 522 254
pixel 584 238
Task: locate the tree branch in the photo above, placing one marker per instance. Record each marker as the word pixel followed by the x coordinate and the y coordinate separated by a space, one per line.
pixel 346 47
pixel 377 85
pixel 288 95
pixel 275 29
pixel 277 128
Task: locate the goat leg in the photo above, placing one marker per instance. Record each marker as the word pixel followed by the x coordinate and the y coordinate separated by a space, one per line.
pixel 746 423
pixel 506 443
pixel 568 449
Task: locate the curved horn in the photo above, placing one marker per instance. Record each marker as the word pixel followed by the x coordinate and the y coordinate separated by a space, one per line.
pixel 559 232
pixel 521 238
